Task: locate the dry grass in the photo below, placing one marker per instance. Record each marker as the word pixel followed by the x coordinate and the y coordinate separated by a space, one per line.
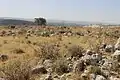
pixel 16 70
pixel 48 51
pixel 32 45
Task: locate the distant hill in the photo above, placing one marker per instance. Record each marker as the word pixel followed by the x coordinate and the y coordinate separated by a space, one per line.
pixel 21 21
pixel 14 22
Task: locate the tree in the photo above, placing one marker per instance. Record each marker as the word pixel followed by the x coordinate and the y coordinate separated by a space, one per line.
pixel 40 21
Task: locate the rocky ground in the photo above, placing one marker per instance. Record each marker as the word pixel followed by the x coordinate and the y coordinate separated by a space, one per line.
pixel 59 53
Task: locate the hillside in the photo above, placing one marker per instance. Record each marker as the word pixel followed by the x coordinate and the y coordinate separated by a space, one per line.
pixel 14 22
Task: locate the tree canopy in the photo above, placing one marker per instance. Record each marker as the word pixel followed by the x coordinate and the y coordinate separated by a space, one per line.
pixel 40 21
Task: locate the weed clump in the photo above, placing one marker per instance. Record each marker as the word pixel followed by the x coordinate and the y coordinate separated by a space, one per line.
pixel 16 70
pixel 61 67
pixel 48 51
pixel 75 51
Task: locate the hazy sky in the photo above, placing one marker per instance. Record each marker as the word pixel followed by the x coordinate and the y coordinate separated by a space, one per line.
pixel 73 10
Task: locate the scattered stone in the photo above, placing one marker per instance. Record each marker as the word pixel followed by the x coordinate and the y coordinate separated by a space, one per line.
pixel 107 64
pixel 49 77
pixel 109 48
pixel 13 35
pixel 3 57
pixel 100 77
pixel 103 46
pixel 26 37
pixel 84 76
pixel 63 77
pixel 56 77
pixel 89 52
pixel 116 55
pixel 69 58
pixel 92 76
pixel 12 27
pixel 70 67
pixel 117 45
pixel 3 79
pixel 74 59
pixel 48 63
pixel 78 66
pixel 87 59
pixel 39 69
pixel 88 69
pixel 28 34
pixel 95 58
pixel 106 73
pixel 114 78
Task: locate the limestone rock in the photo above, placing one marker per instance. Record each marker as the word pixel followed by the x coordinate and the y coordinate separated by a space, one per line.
pixel 3 79
pixel 117 45
pixel 49 77
pixel 100 77
pixel 78 66
pixel 109 48
pixel 92 76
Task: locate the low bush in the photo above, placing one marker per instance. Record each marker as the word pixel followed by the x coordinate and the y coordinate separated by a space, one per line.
pixel 61 67
pixel 75 51
pixel 48 51
pixel 16 70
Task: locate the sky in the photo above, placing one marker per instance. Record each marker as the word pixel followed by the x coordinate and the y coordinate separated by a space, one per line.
pixel 71 10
